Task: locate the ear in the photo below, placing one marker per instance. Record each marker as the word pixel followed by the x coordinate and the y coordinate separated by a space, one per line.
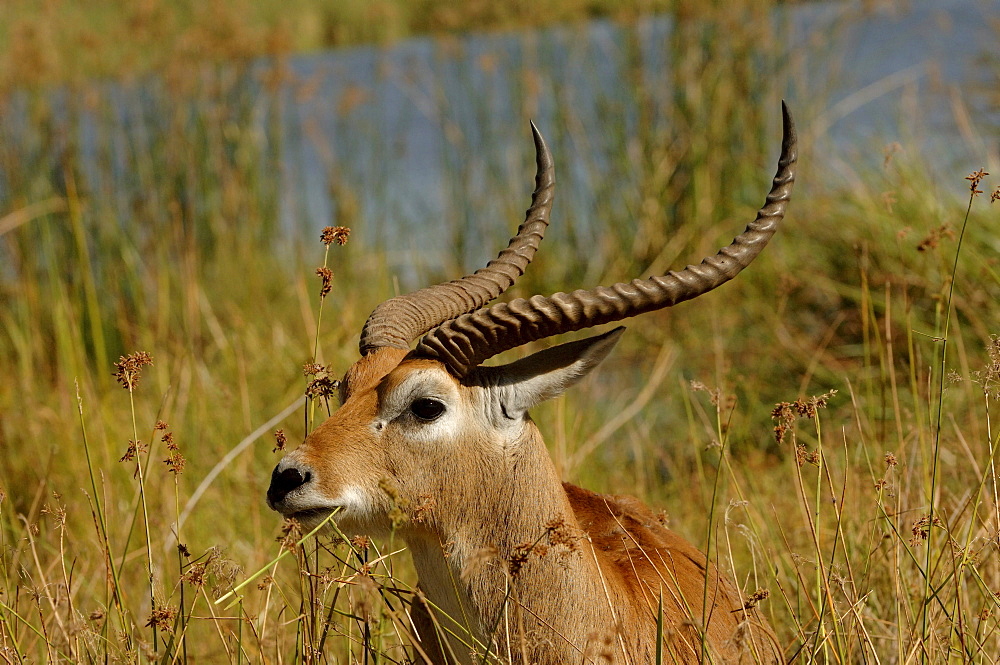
pixel 546 374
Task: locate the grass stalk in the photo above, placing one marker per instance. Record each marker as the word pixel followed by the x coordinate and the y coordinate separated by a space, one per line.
pixel 942 373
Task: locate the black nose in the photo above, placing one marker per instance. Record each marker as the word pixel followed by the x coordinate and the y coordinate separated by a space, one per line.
pixel 283 482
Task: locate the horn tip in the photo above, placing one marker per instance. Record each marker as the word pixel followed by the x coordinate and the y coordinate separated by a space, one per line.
pixel 542 155
pixel 789 137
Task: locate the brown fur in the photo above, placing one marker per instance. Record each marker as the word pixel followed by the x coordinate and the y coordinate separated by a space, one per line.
pixel 642 562
pixel 511 559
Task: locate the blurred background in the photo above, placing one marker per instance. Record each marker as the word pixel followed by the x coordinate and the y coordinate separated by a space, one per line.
pixel 166 168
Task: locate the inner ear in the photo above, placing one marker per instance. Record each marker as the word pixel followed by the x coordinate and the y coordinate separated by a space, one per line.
pixel 547 374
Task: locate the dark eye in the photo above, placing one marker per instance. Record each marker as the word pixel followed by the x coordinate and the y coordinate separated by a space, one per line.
pixel 427 409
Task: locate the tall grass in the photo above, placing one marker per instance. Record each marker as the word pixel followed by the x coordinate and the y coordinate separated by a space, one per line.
pixel 143 215
pixel 62 42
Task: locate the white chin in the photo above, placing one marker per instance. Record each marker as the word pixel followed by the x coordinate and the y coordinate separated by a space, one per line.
pixel 354 516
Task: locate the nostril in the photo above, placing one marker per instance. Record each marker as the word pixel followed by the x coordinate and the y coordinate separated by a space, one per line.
pixel 284 481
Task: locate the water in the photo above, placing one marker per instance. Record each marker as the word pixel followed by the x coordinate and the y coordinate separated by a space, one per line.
pixel 913 73
pixel 385 138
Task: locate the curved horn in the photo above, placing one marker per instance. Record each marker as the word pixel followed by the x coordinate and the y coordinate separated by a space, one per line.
pixel 400 320
pixel 465 342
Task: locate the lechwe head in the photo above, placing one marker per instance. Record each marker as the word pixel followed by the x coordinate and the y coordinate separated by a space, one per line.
pixel 512 561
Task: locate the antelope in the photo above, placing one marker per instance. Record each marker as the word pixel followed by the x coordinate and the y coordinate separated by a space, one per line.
pixel 514 564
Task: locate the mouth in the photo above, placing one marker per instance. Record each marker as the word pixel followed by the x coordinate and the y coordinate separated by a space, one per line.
pixel 310 518
pixel 310 514
pixel 302 508
pixel 310 510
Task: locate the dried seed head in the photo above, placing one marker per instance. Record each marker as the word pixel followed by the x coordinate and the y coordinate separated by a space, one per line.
pixel 974 179
pixel 135 448
pixel 222 570
pixel 326 275
pixel 291 533
pixel 324 387
pixel 561 534
pixel 935 236
pixel 755 598
pixel 803 456
pixel 921 528
pixel 787 412
pixel 279 440
pixel 335 234
pixel 175 462
pixel 162 618
pixel 323 384
pixel 989 377
pixel 519 557
pixel 196 575
pixel 129 367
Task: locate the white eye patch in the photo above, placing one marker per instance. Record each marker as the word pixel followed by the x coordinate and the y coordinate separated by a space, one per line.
pixel 413 397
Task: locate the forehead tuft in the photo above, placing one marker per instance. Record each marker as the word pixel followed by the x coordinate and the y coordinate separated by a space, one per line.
pixel 370 369
pixel 406 370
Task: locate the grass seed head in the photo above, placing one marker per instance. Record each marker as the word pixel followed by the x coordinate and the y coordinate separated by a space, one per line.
pixel 196 575
pixel 335 234
pixel 326 275
pixel 989 377
pixel 974 179
pixel 291 533
pixel 921 528
pixel 130 367
pixel 755 598
pixel 175 459
pixel 279 440
pixel 322 385
pixel 135 448
pixel 519 557
pixel 162 618
pixel 933 239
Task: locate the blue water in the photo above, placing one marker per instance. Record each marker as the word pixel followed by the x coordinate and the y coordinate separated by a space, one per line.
pixel 919 74
pixel 395 133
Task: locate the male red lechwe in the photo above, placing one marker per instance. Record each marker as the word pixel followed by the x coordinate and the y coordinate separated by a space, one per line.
pixel 513 562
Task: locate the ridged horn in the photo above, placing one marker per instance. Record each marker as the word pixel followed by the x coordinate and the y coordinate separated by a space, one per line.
pixel 466 341
pixel 400 320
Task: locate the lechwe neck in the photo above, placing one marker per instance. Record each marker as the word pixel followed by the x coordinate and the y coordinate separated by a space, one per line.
pixel 504 557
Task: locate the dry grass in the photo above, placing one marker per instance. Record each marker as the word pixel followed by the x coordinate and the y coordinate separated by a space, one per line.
pixel 870 516
pixel 45 43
